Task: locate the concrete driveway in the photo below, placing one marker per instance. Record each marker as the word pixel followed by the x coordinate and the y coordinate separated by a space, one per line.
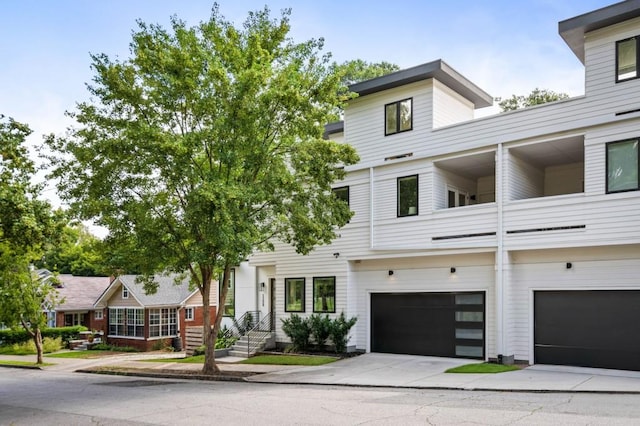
pixel 390 370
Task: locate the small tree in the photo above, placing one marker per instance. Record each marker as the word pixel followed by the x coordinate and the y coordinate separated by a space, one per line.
pixel 28 227
pixel 298 330
pixel 320 328
pixel 536 97
pixel 340 328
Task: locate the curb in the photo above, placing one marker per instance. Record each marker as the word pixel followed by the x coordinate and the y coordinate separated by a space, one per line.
pixel 25 367
pixel 217 378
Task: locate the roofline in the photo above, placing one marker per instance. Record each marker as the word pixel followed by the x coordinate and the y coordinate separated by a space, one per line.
pixel 333 128
pixel 182 303
pixel 439 70
pixel 108 291
pixel 572 30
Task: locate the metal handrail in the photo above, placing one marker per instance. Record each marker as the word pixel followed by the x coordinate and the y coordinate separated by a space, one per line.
pixel 242 325
pixel 256 335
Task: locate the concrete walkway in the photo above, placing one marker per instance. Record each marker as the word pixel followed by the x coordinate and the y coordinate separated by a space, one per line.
pixel 384 370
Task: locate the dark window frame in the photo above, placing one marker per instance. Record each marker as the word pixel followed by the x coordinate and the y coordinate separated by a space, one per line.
pixel 637 39
pixel 342 188
pixel 334 295
pixel 398 129
pixel 286 294
pixel 636 140
pixel 399 214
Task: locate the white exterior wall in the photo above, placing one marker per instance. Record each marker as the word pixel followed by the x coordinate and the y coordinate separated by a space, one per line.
pixel 474 272
pixel 245 291
pixel 449 107
pixel 595 268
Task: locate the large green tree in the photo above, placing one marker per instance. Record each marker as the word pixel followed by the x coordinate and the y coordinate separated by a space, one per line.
pixel 79 253
pixel 28 227
pixel 206 145
pixel 358 70
pixel 536 97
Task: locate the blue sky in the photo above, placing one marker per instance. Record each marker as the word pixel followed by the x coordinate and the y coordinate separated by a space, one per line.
pixel 505 47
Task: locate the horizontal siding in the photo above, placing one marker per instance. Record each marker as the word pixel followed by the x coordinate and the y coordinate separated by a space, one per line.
pixel 585 274
pixel 449 107
pixel 422 277
pixel 525 180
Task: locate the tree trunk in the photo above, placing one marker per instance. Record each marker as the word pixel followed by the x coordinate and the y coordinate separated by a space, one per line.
pixel 37 338
pixel 209 366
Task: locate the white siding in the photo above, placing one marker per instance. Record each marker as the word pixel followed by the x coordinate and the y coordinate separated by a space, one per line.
pixel 563 179
pixel 449 107
pixel 525 180
pixel 612 268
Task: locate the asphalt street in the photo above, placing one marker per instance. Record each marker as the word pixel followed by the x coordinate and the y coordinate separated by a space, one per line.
pixel 35 397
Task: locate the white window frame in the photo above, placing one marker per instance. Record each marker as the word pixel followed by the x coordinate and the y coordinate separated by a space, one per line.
pixel 163 322
pixel 128 317
pixel 98 315
pixel 458 193
pixel 125 292
pixel 189 313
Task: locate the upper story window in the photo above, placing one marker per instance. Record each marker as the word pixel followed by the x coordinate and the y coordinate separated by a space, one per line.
pixel 398 116
pixel 342 193
pixel 125 292
pixel 408 196
pixel 622 166
pixel 627 59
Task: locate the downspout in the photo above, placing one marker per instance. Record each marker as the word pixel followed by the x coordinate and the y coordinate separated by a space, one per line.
pixel 500 326
pixel 371 196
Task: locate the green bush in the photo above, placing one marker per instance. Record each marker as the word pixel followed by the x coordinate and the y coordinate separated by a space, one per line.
pixel 199 350
pixel 320 328
pixel 298 330
pixel 50 345
pixel 29 347
pixel 340 331
pixel 20 335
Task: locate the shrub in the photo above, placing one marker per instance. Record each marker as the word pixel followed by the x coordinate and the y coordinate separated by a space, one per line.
pixel 298 330
pixel 199 350
pixel 50 345
pixel 19 335
pixel 340 331
pixel 320 328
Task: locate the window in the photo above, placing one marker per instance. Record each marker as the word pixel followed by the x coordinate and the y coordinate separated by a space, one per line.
pixel 627 59
pixel 126 322
pixel 456 198
pixel 163 322
pixel 188 314
pixel 97 315
pixel 408 196
pixel 398 117
pixel 73 319
pixel 622 166
pixel 125 292
pixel 294 294
pixel 229 309
pixel 342 193
pixel 324 294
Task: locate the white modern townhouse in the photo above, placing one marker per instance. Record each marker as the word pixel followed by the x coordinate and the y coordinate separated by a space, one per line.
pixel 509 237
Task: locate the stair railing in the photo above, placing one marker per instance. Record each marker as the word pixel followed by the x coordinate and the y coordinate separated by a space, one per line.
pixel 242 325
pixel 257 334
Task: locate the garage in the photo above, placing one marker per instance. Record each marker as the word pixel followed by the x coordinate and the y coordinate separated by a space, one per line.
pixel 430 324
pixel 595 328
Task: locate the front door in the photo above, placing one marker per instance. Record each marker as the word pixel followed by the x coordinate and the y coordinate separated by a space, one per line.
pixel 272 304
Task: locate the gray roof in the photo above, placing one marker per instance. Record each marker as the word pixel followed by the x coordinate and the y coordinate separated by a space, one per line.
pixel 573 30
pixel 332 128
pixel 80 293
pixel 436 69
pixel 168 292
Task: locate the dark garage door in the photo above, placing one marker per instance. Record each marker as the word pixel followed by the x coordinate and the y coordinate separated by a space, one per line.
pixel 436 324
pixel 599 328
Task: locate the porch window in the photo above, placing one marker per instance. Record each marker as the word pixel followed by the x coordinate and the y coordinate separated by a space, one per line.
pixel 163 322
pixel 627 59
pixel 398 117
pixel 622 166
pixel 408 196
pixel 229 309
pixel 324 294
pixel 126 322
pixel 294 294
pixel 456 198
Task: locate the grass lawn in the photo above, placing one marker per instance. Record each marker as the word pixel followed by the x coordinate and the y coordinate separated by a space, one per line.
pixel 80 354
pixel 289 360
pixel 483 368
pixel 198 359
pixel 27 363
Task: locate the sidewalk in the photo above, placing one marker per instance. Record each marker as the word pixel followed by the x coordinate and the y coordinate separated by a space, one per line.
pixel 378 370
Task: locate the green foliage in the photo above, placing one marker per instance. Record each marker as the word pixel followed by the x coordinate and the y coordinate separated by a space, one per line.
pixel 320 328
pixel 482 368
pixel 289 360
pixel 298 330
pixel 340 331
pixel 113 348
pixel 357 70
pixel 536 97
pixel 18 335
pixel 206 145
pixel 28 347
